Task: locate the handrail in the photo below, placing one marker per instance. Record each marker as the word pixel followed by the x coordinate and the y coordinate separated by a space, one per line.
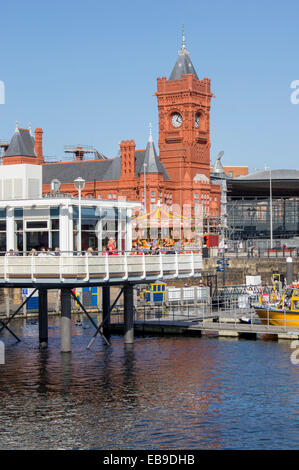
pixel 146 252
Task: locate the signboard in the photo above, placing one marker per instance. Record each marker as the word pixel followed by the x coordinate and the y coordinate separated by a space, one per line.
pixel 26 292
pixel 253 280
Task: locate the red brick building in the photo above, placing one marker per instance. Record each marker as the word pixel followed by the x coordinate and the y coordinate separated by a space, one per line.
pixel 180 174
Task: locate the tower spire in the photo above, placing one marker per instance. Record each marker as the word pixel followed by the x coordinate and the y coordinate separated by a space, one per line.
pixel 150 137
pixel 183 38
pixel 183 64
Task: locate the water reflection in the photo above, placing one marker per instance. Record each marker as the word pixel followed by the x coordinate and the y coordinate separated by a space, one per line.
pixel 160 393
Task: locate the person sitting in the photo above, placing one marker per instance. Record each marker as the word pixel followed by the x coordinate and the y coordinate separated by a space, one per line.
pixel 89 251
pixel 57 251
pixel 42 252
pixel 111 246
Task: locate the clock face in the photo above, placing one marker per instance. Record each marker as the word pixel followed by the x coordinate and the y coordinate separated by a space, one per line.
pixel 197 119
pixel 176 120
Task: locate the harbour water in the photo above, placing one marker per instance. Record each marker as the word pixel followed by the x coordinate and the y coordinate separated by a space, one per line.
pixel 161 393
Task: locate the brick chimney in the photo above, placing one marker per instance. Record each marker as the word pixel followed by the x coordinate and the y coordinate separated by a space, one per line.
pixel 127 158
pixel 39 145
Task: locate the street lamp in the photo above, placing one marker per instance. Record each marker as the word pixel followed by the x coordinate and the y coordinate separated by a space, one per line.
pixel 270 204
pixel 144 178
pixel 79 185
pixel 271 219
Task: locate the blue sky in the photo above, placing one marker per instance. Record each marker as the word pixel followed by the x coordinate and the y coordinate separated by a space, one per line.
pixel 86 72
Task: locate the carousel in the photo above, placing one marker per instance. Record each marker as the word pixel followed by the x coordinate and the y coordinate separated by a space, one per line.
pixel 162 228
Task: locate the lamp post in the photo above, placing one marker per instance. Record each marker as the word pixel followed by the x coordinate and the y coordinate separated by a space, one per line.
pixel 270 204
pixel 79 185
pixel 144 180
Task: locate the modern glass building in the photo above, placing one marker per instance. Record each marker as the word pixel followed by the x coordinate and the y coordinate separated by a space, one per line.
pixel 249 201
pixel 54 223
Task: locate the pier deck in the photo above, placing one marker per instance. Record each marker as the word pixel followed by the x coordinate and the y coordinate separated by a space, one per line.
pixel 68 271
pixel 222 328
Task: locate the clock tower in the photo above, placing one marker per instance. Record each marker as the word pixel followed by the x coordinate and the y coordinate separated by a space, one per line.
pixel 184 120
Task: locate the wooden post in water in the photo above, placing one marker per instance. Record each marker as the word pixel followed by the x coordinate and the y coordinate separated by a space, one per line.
pixel 128 314
pixel 43 317
pixel 66 321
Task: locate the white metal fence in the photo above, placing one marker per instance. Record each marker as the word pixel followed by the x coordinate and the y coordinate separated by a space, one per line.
pixel 102 267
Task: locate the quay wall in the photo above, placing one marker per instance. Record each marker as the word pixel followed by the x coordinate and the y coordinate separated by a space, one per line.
pixel 239 268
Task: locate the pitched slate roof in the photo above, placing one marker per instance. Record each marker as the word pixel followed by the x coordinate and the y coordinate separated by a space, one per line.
pixel 275 175
pixel 90 170
pixel 98 170
pixel 149 157
pixel 183 64
pixel 153 164
pixel 21 144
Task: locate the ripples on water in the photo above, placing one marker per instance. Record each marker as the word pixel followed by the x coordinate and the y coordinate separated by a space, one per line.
pixel 162 393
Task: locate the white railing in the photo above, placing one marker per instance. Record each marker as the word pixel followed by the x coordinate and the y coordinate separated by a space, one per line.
pixel 101 267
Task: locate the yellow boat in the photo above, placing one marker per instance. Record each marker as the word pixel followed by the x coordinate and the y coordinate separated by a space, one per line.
pixel 285 313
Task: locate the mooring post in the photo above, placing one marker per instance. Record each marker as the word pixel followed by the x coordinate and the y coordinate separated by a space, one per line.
pixel 128 314
pixel 43 317
pixel 106 309
pixel 289 270
pixel 66 321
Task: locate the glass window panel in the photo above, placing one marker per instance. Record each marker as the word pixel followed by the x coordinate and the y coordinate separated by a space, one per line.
pixel 2 242
pixel 18 213
pixel 55 224
pixel 109 213
pixel 19 240
pixel 18 224
pixel 54 212
pixel 55 240
pixel 86 212
pixel 37 224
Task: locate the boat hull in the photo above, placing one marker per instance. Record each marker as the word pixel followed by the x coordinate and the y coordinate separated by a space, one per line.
pixel 278 317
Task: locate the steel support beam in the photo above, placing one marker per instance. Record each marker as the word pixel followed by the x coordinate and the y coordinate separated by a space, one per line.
pixel 91 320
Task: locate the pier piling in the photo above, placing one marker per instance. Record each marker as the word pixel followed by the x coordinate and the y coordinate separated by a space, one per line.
pixel 66 321
pixel 128 315
pixel 106 309
pixel 43 317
